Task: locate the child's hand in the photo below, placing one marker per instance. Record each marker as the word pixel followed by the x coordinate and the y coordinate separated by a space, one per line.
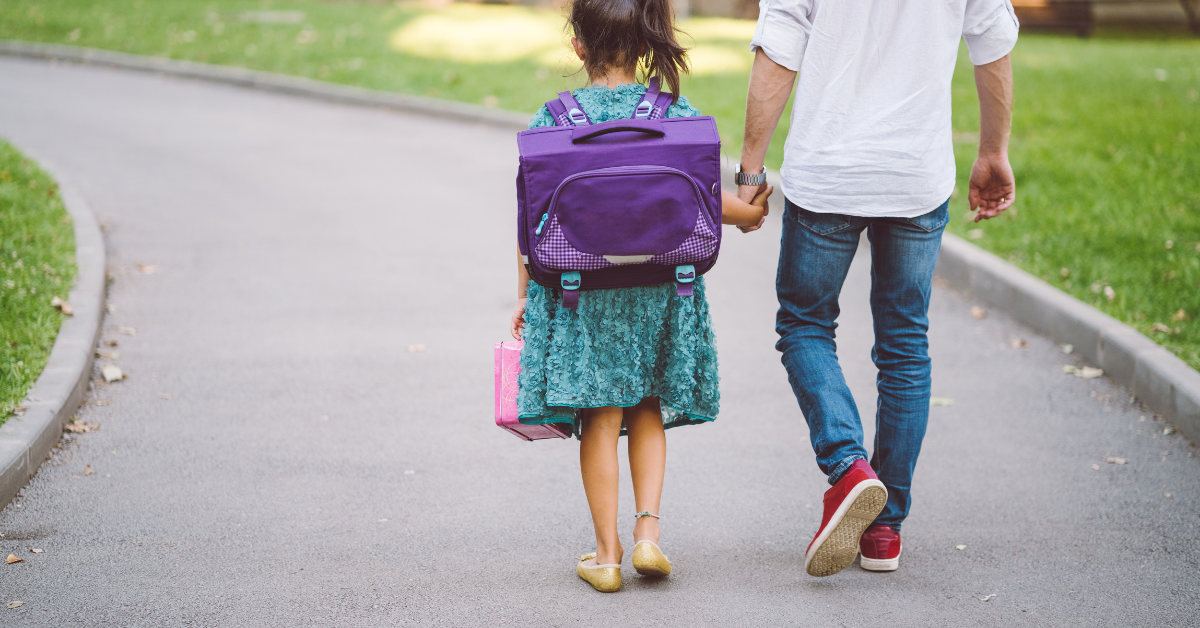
pixel 517 325
pixel 760 201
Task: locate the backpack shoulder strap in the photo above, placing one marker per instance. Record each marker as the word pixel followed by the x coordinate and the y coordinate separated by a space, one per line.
pixel 566 111
pixel 654 104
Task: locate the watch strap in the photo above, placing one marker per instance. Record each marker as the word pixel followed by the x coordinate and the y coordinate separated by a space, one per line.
pixel 741 178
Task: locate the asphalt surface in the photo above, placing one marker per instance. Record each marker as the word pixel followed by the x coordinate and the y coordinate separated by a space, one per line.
pixel 312 467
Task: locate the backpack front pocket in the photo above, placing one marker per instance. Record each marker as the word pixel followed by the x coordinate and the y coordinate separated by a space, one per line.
pixel 626 215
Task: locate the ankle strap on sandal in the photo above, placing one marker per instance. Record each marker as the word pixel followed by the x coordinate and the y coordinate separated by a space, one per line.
pixel 645 513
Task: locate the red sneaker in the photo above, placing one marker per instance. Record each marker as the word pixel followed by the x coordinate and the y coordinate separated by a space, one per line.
pixel 880 548
pixel 850 506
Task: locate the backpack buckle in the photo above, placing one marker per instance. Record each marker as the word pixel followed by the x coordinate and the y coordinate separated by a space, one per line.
pixel 570 282
pixel 644 109
pixel 685 274
pixel 577 116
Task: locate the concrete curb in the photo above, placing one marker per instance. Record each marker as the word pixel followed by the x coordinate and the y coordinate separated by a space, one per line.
pixel 26 440
pixel 268 81
pixel 1156 376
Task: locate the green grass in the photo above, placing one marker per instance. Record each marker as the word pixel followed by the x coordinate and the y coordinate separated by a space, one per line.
pixel 37 263
pixel 1106 149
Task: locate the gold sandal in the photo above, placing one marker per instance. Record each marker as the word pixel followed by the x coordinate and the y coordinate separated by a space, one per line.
pixel 648 557
pixel 603 578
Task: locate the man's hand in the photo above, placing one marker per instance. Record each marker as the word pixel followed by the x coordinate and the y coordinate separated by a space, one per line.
pixel 993 188
pixel 751 194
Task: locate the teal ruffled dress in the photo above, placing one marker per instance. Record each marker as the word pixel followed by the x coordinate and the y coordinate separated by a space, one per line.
pixel 620 345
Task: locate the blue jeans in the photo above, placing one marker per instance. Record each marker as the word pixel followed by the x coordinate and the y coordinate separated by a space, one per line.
pixel 813 262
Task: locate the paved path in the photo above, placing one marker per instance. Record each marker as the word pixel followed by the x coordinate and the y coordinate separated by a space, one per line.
pixel 309 470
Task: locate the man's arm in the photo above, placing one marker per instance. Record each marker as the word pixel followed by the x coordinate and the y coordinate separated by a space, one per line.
pixel 770 86
pixel 993 188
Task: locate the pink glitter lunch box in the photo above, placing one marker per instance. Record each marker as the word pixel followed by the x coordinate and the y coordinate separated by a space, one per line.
pixel 508 367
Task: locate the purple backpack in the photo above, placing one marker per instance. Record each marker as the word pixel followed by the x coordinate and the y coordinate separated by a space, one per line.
pixel 621 203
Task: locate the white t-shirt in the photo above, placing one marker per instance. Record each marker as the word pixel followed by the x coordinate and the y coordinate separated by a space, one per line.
pixel 870 133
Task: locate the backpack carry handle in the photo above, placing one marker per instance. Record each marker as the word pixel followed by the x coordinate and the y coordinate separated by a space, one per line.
pixel 649 127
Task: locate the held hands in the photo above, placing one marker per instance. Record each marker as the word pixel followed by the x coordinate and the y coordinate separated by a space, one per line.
pixel 516 326
pixel 757 196
pixel 760 201
pixel 746 215
pixel 993 188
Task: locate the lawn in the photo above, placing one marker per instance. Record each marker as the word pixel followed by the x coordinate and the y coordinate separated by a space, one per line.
pixel 1106 138
pixel 37 263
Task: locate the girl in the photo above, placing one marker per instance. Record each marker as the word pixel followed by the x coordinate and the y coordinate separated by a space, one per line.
pixel 635 360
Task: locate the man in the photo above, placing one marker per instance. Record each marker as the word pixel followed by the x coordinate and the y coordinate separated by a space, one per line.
pixel 870 148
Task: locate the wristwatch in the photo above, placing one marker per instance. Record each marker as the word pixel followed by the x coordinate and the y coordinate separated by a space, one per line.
pixel 742 178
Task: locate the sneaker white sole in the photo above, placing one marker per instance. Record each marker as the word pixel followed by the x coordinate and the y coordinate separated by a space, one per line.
pixel 880 564
pixel 837 545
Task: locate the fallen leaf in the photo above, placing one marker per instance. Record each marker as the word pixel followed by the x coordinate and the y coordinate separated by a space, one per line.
pixel 87 470
pixel 112 373
pixel 110 308
pixel 79 427
pixel 1109 293
pixel 110 343
pixel 1178 316
pixel 1066 348
pixel 941 401
pixel 36 550
pixel 978 312
pixel 415 348
pixel 1019 343
pixel 62 306
pixel 128 331
pixel 1167 431
pixel 987 597
pixel 1159 327
pixel 1170 244
pixel 1066 272
pixel 147 269
pixel 12 558
pixel 1068 369
pixel 1095 467
pixel 960 547
pixel 1088 372
pixel 1115 460
pixel 1167 495
pixel 15 604
pixel 975 234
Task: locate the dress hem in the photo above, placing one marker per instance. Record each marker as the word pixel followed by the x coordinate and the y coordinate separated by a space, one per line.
pixel 574 421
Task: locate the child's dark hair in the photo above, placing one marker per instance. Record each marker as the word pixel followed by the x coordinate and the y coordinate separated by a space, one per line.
pixel 624 33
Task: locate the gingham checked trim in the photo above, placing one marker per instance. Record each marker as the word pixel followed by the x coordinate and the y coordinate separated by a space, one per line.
pixel 557 254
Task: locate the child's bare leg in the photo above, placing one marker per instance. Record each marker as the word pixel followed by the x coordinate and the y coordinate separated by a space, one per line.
pixel 647 463
pixel 598 463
